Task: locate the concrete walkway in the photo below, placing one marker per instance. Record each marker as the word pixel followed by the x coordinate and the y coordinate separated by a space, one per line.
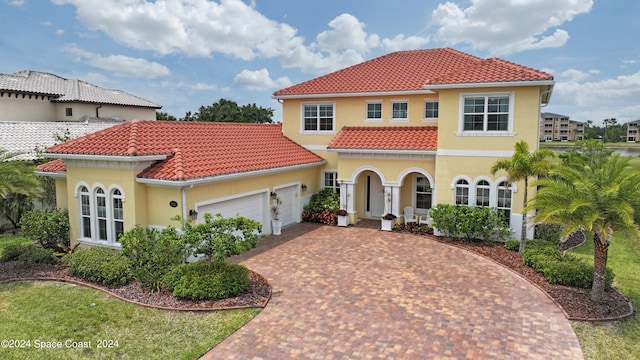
pixel 358 293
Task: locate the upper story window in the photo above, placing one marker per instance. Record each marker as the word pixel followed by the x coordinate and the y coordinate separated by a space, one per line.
pixel 68 111
pixel 431 109
pixel 491 113
pixel 318 117
pixel 374 111
pixel 400 110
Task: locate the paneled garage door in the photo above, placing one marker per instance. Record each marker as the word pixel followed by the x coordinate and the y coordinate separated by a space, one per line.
pixel 253 206
pixel 289 210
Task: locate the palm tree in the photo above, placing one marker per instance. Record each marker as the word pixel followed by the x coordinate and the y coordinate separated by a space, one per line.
pixel 16 176
pixel 522 166
pixel 601 197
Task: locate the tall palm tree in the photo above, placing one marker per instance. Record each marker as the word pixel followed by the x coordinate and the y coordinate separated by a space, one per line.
pixel 522 166
pixel 601 197
pixel 16 176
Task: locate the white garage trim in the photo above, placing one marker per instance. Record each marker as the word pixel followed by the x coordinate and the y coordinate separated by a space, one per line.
pixel 289 194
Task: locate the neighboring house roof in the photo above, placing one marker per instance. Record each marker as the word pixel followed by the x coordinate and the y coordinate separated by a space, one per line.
pixel 26 137
pixel 191 150
pixel 416 70
pixel 68 90
pixel 412 138
pixel 552 115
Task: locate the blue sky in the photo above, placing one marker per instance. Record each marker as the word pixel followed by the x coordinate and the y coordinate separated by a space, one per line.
pixel 190 53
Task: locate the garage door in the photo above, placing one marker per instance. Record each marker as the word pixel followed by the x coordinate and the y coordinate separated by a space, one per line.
pixel 253 206
pixel 289 211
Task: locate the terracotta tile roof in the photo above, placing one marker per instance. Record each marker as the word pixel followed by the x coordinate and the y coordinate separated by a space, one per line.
pixel 412 71
pixel 68 90
pixel 421 138
pixel 52 166
pixel 194 149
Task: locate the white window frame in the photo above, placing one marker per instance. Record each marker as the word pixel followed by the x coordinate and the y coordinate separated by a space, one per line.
pixel 416 193
pixel 485 132
pixel 431 101
pixel 317 104
pixel 399 101
pixel 487 187
pixel 334 174
pixel 457 186
pixel 366 109
pixel 504 186
pixel 109 195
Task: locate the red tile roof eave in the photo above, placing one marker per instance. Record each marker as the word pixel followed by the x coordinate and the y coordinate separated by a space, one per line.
pixel 384 151
pixel 518 83
pixel 226 177
pixel 355 94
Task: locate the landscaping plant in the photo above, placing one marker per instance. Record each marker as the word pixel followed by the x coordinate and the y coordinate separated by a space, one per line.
pixel 48 227
pixel 100 265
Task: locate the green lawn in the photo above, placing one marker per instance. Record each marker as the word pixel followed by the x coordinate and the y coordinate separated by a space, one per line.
pixel 42 313
pixel 618 340
pixel 10 240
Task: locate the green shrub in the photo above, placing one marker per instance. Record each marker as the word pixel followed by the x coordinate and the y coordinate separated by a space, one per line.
pixel 473 223
pixel 48 227
pixel 27 254
pixel 325 199
pixel 549 232
pixel 546 258
pixel 513 245
pixel 100 265
pixel 201 281
pixel 152 253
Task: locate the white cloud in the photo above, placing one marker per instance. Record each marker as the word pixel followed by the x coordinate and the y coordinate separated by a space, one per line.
pixel 597 100
pixel 504 27
pixel 60 32
pixel 574 75
pixel 17 2
pixel 200 28
pixel 259 80
pixel 121 65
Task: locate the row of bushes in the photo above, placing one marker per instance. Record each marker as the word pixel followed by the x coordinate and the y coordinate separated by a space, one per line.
pixel 568 270
pixel 473 223
pixel 27 254
pixel 322 207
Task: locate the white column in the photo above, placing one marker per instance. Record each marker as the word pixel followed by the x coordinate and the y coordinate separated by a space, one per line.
pixel 395 200
pixel 349 194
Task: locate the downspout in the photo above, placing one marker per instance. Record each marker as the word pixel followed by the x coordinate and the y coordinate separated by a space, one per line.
pixel 184 201
pixel 97 108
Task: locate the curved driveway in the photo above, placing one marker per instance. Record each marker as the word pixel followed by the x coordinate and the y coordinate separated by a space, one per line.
pixel 357 293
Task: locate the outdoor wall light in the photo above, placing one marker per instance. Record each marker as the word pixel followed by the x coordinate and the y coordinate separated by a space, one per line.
pixel 273 195
pixel 193 214
pixel 303 187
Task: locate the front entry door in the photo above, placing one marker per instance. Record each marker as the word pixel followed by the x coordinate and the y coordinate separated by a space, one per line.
pixel 375 197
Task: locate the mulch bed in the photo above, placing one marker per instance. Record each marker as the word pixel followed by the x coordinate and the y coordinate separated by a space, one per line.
pixel 257 295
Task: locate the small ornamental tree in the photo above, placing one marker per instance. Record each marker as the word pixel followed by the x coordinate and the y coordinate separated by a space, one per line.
pixel 48 227
pixel 219 238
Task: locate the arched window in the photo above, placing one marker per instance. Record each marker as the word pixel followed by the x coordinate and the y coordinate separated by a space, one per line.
pixel 423 193
pixel 483 193
pixel 85 212
pixel 504 200
pixel 462 192
pixel 101 214
pixel 118 214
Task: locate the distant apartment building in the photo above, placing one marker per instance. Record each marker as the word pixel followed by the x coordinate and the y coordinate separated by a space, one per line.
pixel 632 130
pixel 556 127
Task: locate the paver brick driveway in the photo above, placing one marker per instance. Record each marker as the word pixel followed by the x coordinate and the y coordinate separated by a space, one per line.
pixel 354 293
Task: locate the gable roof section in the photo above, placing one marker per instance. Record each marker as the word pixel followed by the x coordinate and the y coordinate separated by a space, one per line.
pixel 415 71
pixel 26 137
pixel 68 90
pixel 190 150
pixel 396 138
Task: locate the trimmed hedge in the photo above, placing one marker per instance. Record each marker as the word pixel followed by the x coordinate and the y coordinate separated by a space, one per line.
pixel 473 223
pixel 27 254
pixel 570 270
pixel 100 265
pixel 322 207
pixel 202 281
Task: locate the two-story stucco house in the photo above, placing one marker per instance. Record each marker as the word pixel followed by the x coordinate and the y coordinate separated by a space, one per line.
pixel 408 129
pixel 36 106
